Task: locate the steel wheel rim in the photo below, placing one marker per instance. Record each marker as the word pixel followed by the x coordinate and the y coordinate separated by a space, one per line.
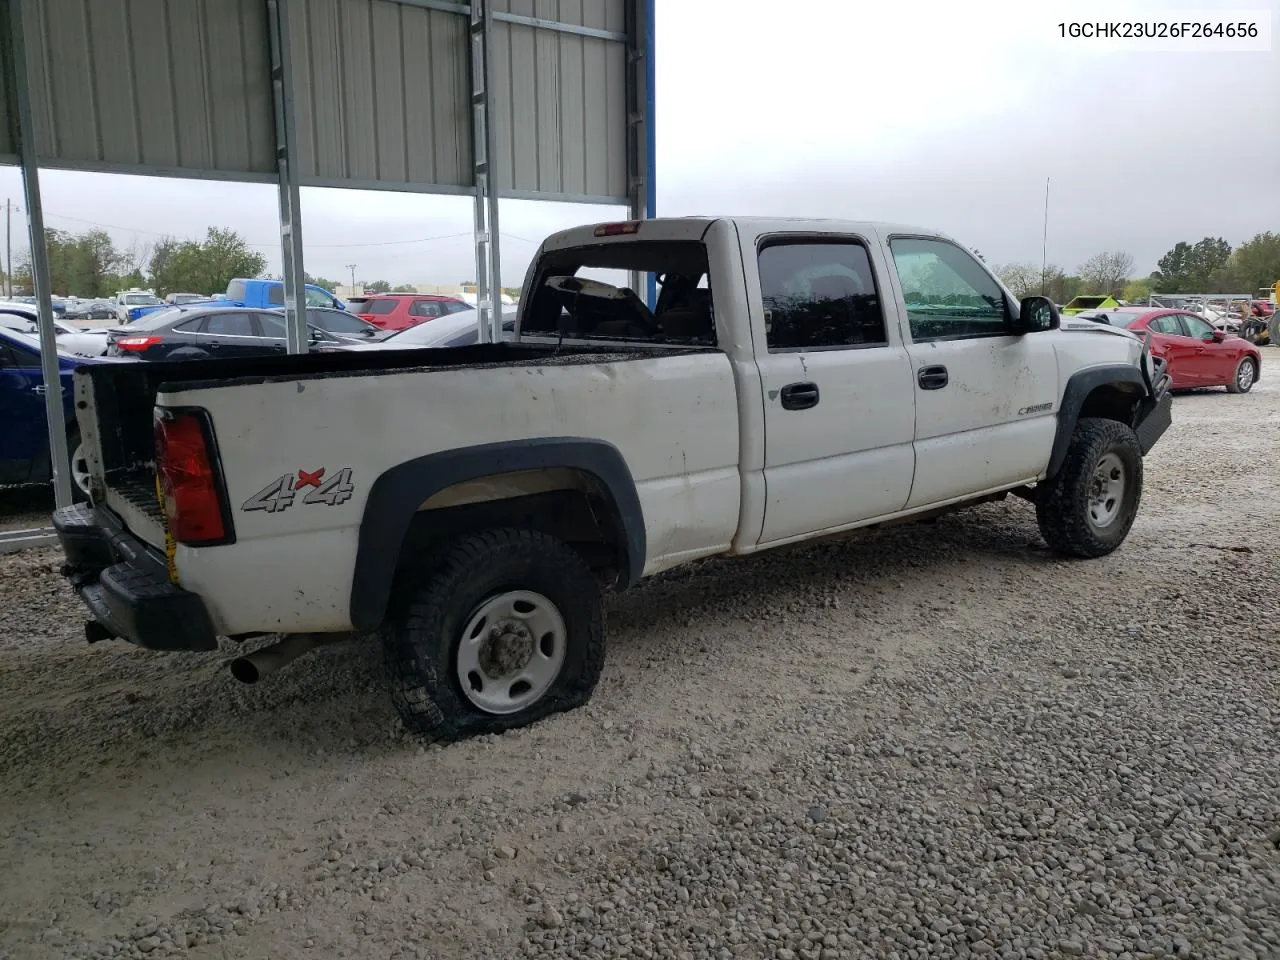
pixel 1106 491
pixel 79 468
pixel 511 651
pixel 1244 375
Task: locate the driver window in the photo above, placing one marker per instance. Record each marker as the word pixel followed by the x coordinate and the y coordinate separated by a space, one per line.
pixel 948 295
pixel 1198 328
pixel 317 299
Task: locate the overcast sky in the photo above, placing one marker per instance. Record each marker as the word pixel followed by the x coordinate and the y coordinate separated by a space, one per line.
pixel 943 114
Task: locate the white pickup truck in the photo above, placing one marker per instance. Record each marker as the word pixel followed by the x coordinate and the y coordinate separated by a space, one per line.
pixel 794 379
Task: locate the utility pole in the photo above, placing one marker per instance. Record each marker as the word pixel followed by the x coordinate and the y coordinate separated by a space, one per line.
pixel 1044 249
pixel 352 268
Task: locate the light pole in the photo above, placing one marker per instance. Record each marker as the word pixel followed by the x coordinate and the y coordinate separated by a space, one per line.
pixel 352 268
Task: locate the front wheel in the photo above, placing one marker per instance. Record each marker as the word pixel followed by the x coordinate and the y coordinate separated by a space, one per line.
pixel 1087 508
pixel 506 630
pixel 1242 380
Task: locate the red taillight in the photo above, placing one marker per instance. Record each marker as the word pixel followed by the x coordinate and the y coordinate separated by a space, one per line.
pixel 617 229
pixel 136 343
pixel 189 489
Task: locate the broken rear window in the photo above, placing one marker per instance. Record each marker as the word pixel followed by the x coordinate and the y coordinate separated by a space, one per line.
pixel 587 293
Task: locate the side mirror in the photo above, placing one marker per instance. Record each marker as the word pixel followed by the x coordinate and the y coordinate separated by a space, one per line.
pixel 1218 336
pixel 1037 314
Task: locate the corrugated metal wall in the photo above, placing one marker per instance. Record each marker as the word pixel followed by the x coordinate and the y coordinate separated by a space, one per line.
pixel 562 117
pixel 382 92
pixel 163 84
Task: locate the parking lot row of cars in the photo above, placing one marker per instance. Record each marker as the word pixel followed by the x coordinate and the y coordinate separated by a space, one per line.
pixel 202 329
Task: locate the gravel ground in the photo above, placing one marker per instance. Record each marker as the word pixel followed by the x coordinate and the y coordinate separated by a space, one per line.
pixel 938 741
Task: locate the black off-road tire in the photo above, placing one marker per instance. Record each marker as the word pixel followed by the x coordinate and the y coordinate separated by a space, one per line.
pixel 1062 503
pixel 425 626
pixel 1233 385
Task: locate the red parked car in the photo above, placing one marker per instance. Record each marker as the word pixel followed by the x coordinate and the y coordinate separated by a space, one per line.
pixel 399 311
pixel 1197 354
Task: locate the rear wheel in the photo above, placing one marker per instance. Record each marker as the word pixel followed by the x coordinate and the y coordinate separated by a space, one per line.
pixel 1246 373
pixel 506 629
pixel 1087 508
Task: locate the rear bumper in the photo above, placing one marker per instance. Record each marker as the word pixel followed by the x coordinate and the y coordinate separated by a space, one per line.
pixel 126 586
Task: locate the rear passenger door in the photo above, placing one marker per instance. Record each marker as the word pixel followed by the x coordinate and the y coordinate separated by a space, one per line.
pixel 985 399
pixel 233 335
pixel 839 414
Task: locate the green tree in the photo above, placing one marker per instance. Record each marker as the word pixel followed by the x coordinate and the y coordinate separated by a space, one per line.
pixel 1254 264
pixel 1192 267
pixel 79 264
pixel 203 266
pixel 1138 289
pixel 404 288
pixel 322 282
pixel 377 286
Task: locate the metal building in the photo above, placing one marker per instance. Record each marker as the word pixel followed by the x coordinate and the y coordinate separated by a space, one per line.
pixel 532 99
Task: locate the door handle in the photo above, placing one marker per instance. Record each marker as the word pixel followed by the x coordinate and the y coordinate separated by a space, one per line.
pixel 39 389
pixel 933 377
pixel 799 396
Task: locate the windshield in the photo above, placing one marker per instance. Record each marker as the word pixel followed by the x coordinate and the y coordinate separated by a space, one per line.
pixel 186 297
pixel 140 299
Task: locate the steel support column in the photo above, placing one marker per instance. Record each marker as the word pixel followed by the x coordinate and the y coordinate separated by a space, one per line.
pixel 483 153
pixel 295 290
pixel 13 54
pixel 641 192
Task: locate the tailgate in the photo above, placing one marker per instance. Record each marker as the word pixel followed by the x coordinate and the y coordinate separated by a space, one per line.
pixel 114 409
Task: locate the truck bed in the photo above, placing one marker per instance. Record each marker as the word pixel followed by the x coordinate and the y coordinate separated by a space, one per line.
pixel 123 395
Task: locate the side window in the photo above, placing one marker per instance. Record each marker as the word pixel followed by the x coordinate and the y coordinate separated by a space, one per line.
pixel 426 308
pixel 275 294
pixel 191 326
pixel 17 358
pixel 819 294
pixel 229 325
pixel 948 295
pixel 1167 324
pixel 271 325
pixel 1197 327
pixel 315 298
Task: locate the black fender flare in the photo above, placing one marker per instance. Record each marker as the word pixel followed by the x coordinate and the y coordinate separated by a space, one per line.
pixel 396 495
pixel 1078 388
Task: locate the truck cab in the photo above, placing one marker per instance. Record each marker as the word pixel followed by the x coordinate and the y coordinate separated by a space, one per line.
pixel 269 294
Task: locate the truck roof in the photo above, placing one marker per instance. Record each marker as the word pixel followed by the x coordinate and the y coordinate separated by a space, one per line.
pixel 693 228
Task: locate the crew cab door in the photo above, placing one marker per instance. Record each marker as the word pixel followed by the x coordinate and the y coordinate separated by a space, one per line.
pixel 985 399
pixel 836 383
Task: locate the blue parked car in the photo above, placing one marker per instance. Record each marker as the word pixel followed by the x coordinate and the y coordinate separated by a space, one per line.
pixel 24 436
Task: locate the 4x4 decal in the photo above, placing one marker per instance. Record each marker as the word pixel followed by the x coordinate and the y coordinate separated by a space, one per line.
pixel 280 493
